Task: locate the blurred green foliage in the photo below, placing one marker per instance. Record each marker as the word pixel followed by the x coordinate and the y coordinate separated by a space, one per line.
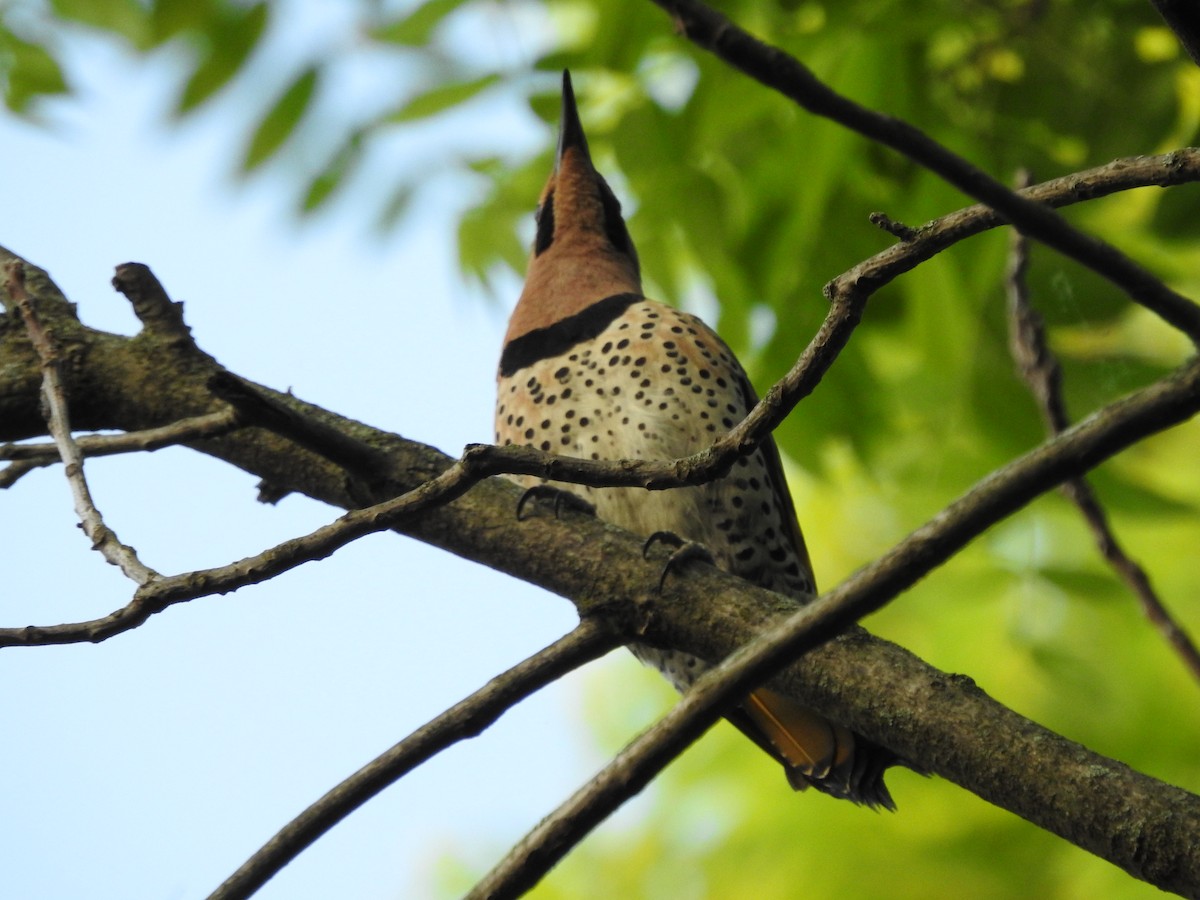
pixel 743 207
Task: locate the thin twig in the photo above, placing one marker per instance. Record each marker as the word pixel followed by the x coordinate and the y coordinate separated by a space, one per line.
pixel 103 538
pixel 1041 371
pixel 162 591
pixel 148 440
pixel 13 472
pixel 782 72
pixel 1127 173
pixel 1081 494
pixel 1081 447
pixel 156 595
pixel 592 638
pixel 898 230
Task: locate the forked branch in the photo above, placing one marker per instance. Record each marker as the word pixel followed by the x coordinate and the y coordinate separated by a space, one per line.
pixel 54 393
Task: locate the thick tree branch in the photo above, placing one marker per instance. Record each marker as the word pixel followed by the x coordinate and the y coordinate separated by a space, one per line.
pixel 782 72
pixel 591 639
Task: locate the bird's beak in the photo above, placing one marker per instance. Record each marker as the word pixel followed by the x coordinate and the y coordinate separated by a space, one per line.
pixel 570 129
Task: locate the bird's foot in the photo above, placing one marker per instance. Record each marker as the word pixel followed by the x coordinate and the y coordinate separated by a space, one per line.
pixel 561 499
pixel 685 552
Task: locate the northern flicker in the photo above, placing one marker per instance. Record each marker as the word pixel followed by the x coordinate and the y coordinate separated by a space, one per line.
pixel 592 368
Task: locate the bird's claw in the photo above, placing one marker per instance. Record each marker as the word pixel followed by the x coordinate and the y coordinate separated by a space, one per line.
pixel 685 552
pixel 560 497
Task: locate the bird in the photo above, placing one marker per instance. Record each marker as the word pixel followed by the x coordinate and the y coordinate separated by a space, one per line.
pixel 592 368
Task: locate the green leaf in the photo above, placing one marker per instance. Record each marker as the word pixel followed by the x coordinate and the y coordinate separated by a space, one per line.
pixel 492 166
pixel 124 17
pixel 417 27
pixel 330 178
pixel 171 17
pixel 227 44
pixel 441 98
pixel 1089 586
pixel 30 72
pixel 487 239
pixel 281 120
pixel 397 205
pixel 1122 496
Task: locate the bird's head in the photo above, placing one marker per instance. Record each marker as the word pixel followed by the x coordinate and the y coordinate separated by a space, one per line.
pixel 582 252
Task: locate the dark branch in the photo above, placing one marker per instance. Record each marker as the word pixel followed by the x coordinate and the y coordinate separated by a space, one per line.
pixel 1167 169
pixel 778 70
pixel 1183 18
pixel 159 592
pixel 896 229
pixel 467 719
pixel 1039 368
pixel 156 311
pixel 263 408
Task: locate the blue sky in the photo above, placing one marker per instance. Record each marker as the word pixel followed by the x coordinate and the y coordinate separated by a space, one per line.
pixel 151 765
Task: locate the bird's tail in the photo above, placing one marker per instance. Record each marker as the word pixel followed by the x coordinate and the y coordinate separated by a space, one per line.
pixel 816 752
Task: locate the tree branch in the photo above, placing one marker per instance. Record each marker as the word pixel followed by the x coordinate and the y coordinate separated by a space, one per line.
pixel 147 441
pixel 54 392
pixel 1164 170
pixel 308 431
pixel 159 315
pixel 159 592
pixel 591 639
pixel 1183 18
pixel 1040 370
pixel 782 72
pixel 13 472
